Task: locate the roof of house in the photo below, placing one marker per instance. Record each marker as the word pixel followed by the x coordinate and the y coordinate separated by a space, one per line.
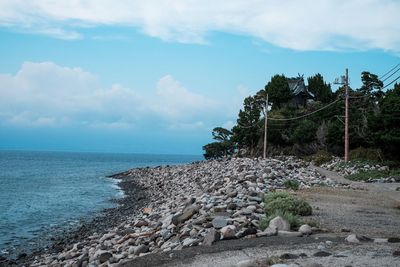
pixel 297 86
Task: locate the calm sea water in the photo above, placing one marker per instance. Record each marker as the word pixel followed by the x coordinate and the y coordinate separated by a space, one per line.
pixel 42 190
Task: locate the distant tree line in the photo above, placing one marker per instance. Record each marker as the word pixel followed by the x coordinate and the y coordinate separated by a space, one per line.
pixel 374 121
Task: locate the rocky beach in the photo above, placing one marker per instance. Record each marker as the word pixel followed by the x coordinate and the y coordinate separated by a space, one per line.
pixel 169 208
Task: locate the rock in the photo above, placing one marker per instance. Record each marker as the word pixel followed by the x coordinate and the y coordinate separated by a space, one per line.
pixel 219 222
pixel 190 242
pixel 228 232
pixel 394 240
pixel 305 229
pixel 288 256
pixel 141 249
pixel 211 237
pixel 270 231
pixel 103 256
pixel 131 250
pixel 249 231
pixel 322 254
pixel 185 215
pixel 352 239
pixel 396 253
pixel 141 223
pixel 279 223
pixel 288 233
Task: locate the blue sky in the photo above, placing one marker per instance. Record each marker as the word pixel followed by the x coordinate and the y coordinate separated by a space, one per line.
pixel 157 76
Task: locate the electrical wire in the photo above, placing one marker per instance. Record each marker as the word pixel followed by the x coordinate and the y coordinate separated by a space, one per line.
pixel 380 77
pixel 398 77
pixel 305 115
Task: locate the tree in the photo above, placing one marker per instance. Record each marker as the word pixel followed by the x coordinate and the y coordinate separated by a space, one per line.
pixel 224 146
pixel 372 86
pixel 389 131
pixel 306 132
pixel 321 90
pixel 248 131
pixel 278 91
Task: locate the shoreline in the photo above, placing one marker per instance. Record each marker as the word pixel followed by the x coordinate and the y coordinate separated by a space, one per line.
pixel 172 207
pixel 130 201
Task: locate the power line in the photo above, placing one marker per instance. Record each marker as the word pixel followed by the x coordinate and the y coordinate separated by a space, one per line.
pixel 389 71
pixel 390 75
pixel 305 115
pixel 398 77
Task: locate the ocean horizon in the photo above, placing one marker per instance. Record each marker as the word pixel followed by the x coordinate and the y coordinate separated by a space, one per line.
pixel 46 190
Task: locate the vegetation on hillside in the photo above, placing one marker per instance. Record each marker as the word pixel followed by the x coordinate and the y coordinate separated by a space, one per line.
pixel 374 121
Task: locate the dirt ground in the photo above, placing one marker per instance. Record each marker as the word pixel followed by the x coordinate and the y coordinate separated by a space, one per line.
pixel 363 208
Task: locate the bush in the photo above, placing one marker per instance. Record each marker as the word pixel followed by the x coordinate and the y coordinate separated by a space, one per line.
pixel 264 223
pixel 373 154
pixel 374 174
pixel 284 202
pixel 321 157
pixel 292 184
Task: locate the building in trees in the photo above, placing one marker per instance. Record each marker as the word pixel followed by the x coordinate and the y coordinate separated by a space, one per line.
pixel 300 93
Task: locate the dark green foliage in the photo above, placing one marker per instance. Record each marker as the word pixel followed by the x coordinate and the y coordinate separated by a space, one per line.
pixel 224 146
pixel 388 134
pixel 278 91
pixel 320 89
pixel 361 153
pixel 321 157
pixel 291 184
pixel 248 130
pixel 374 121
pixel 305 132
pixel 282 201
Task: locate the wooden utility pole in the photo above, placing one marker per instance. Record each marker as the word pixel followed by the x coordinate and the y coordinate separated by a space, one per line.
pixel 346 118
pixel 345 81
pixel 265 127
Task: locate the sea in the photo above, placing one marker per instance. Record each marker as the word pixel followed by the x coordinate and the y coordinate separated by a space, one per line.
pixel 42 191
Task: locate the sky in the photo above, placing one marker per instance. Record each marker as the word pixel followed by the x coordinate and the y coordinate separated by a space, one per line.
pixel 158 76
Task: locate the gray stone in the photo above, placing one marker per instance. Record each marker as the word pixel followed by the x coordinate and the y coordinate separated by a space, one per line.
pixel 305 229
pixel 211 237
pixel 352 239
pixel 190 242
pixel 228 231
pixel 288 233
pixel 141 249
pixel 322 254
pixel 104 256
pixel 219 222
pixel 270 231
pixel 279 223
pixel 187 213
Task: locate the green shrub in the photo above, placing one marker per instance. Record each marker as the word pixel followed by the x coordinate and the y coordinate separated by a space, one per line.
pixel 263 223
pixel 292 184
pixel 373 174
pixel 282 201
pixel 321 157
pixel 373 154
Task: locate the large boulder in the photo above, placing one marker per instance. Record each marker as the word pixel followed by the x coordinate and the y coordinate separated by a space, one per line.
pixel 279 223
pixel 186 214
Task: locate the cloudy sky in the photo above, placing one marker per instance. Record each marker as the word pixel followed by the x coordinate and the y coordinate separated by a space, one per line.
pixel 157 76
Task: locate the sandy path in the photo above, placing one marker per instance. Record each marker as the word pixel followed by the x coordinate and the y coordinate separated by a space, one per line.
pixel 371 209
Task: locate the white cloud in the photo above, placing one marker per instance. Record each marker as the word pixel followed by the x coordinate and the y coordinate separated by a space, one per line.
pixel 299 25
pixel 46 94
